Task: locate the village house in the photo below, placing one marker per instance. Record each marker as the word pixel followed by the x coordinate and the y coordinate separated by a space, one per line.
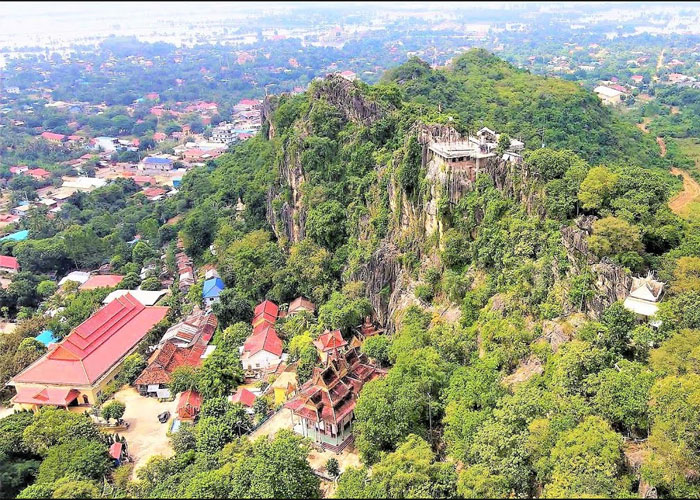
pixel 211 290
pixel 184 344
pixel 39 173
pixel 609 96
pixel 156 163
pixel 9 264
pixel 245 398
pixel 300 304
pixel 52 137
pixel 101 281
pixel 76 370
pixel 325 404
pixel 262 350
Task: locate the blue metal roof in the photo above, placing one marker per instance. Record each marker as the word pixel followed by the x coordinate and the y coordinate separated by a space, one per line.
pixel 161 161
pixel 18 236
pixel 46 337
pixel 212 288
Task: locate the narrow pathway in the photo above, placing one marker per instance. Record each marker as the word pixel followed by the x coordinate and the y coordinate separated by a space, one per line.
pixel 662 145
pixel 690 193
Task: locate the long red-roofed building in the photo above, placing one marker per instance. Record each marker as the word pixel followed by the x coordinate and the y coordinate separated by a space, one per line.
pixel 76 370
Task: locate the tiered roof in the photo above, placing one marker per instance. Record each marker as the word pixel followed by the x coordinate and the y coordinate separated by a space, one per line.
pixel 95 345
pixel 332 391
pixel 330 341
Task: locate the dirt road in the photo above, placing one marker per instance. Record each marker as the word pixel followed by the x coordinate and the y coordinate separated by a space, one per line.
pixel 662 145
pixel 690 193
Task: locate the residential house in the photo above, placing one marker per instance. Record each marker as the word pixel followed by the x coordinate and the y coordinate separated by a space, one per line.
pixel 263 349
pixel 184 344
pixel 101 281
pixel 300 304
pixel 211 290
pixel 16 236
pixel 77 276
pixel 39 173
pixel 156 163
pixel 325 404
pixel 18 169
pixel 55 138
pixel 609 96
pixel 266 311
pixel 146 297
pixel 77 370
pixel 154 193
pixel 9 264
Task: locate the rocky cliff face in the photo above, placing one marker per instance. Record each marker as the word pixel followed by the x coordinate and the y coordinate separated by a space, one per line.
pixel 290 220
pixel 346 97
pixel 612 282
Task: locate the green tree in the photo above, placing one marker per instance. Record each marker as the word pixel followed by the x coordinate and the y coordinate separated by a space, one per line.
pixel 587 462
pixel 377 348
pixel 620 395
pixel 152 284
pixel 612 236
pixel 325 224
pixel 232 308
pixel 597 188
pixel 277 468
pixel 220 373
pixel 78 458
pixel 183 378
pixel 56 426
pixel 113 410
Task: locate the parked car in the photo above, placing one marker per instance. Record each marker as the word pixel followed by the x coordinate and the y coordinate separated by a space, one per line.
pixel 163 417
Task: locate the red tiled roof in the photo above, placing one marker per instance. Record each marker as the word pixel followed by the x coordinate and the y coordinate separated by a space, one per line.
pixel 266 307
pixel 243 396
pixel 47 396
pixel 7 262
pixel 262 325
pixel 330 340
pixel 101 281
pixel 153 191
pixel 300 304
pixel 38 172
pixel 50 136
pixel 95 345
pixel 266 340
pixel 189 404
